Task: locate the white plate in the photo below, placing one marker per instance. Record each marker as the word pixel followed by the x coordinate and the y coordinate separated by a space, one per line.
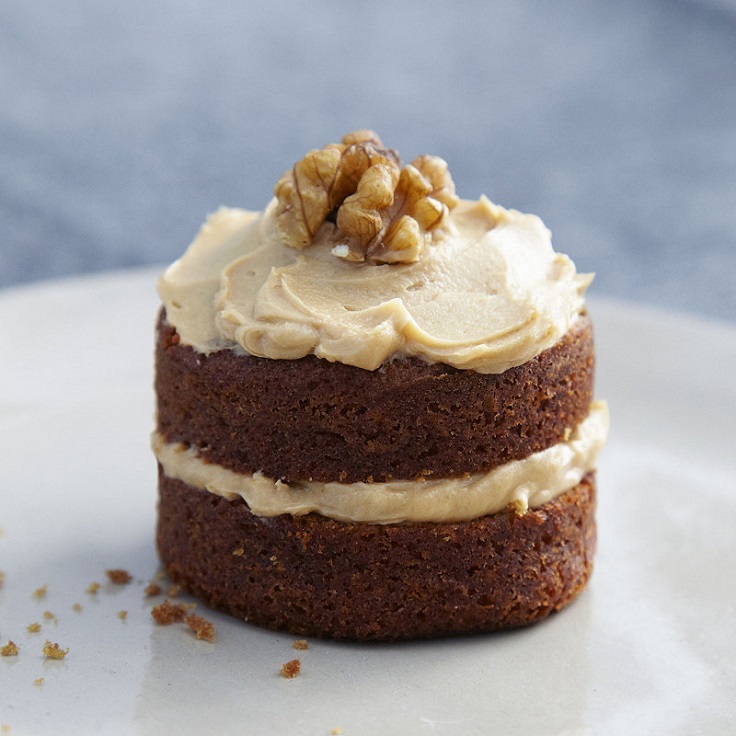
pixel 650 647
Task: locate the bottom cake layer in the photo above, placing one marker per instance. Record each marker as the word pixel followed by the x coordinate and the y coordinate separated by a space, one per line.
pixel 313 576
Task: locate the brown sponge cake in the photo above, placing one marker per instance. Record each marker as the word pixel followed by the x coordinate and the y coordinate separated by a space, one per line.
pixel 314 576
pixel 408 419
pixel 375 408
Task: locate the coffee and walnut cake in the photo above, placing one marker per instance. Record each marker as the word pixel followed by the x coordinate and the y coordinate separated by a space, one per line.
pixel 375 410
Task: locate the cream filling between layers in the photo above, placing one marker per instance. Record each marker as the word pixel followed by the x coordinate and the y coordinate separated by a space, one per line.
pixel 522 484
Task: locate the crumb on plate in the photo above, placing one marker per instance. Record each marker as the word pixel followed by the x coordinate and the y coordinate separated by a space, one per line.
pixel 118 576
pixel 203 628
pixel 54 651
pixel 291 668
pixel 41 592
pixel 301 644
pixel 169 613
pixel 33 628
pixel 152 589
pixel 92 588
pixel 122 615
pixel 10 649
pixel 39 681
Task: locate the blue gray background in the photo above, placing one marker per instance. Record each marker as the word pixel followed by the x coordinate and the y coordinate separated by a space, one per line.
pixel 123 123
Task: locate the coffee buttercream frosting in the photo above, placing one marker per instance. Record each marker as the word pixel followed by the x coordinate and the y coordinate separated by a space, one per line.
pixel 488 293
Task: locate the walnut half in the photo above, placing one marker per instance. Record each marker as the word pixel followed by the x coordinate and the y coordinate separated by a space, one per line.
pixel 386 213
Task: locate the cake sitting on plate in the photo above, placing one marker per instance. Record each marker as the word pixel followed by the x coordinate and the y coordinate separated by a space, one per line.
pixel 375 409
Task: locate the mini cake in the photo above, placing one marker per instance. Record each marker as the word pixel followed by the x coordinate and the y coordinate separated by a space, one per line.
pixel 375 410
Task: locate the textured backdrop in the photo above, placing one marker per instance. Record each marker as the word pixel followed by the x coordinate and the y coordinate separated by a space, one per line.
pixel 123 124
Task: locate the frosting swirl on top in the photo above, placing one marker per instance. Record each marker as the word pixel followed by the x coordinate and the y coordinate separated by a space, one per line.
pixel 489 293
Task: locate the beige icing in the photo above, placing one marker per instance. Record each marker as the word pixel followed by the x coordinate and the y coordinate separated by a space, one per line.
pixel 490 293
pixel 524 484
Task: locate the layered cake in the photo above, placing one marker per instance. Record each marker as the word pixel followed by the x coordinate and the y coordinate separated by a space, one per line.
pixel 375 409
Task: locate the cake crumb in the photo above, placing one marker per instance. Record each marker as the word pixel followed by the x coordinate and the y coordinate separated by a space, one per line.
pixel 40 593
pixel 239 552
pixel 203 628
pixel 4 728
pixel 168 613
pixel 336 731
pixel 33 628
pixel 77 607
pixel 118 577
pixel 301 644
pixel 50 617
pixel 173 590
pixel 54 651
pixel 10 649
pixel 122 615
pixel 291 668
pixel 2 579
pixel 152 589
pixel 92 588
pixel 519 506
pixel 39 681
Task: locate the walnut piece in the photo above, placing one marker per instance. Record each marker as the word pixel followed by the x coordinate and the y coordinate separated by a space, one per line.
pixel 386 213
pixel 320 182
pixel 404 213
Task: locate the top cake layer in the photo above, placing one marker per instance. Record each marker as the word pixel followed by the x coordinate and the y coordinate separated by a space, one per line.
pixel 370 327
pixel 313 420
pixel 488 293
